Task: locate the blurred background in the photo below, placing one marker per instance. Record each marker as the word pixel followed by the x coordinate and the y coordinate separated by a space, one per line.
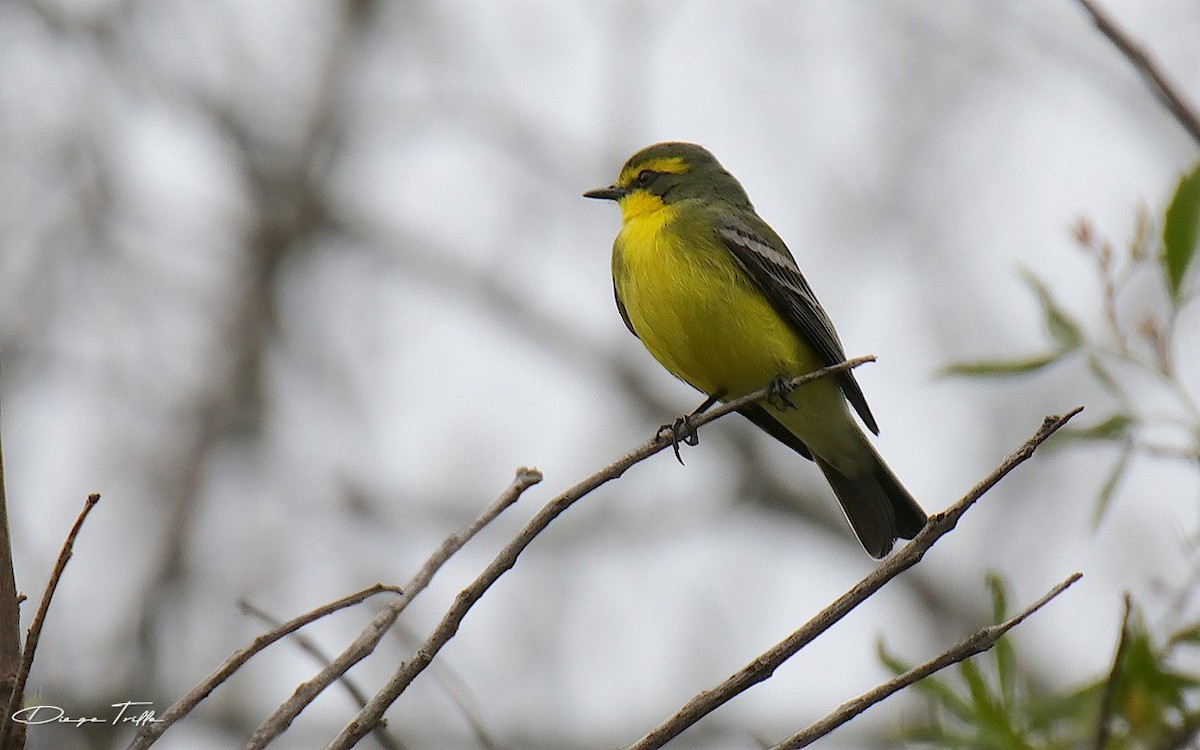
pixel 297 285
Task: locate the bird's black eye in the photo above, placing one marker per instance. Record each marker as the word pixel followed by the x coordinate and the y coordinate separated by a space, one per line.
pixel 645 177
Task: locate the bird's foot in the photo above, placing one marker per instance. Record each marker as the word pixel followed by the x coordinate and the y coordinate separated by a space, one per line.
pixel 682 430
pixel 679 431
pixel 779 393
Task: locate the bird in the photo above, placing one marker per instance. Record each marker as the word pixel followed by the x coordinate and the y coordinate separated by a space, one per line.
pixel 717 298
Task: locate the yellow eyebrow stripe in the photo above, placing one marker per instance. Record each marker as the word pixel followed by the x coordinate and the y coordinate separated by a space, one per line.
pixel 668 164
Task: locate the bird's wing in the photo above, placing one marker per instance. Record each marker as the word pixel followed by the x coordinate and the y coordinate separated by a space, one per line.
pixel 775 272
pixel 621 309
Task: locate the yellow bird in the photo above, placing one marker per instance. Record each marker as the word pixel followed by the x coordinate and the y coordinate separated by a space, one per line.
pixel 718 299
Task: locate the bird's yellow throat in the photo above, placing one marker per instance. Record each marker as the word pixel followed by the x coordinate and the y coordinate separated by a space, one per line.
pixel 643 217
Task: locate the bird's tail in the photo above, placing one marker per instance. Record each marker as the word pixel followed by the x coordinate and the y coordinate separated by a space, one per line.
pixel 878 507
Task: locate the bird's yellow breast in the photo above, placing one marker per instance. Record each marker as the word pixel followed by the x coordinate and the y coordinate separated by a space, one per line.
pixel 694 307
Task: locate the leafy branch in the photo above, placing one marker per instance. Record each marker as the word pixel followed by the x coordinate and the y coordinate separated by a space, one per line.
pixel 1125 356
pixel 977 643
pixel 1146 700
pixel 907 556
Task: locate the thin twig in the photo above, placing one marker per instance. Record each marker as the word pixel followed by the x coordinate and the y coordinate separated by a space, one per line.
pixel 1162 87
pixel 283 716
pixel 39 619
pixel 306 644
pixel 1110 685
pixel 507 558
pixel 151 732
pixel 455 688
pixel 765 665
pixel 975 644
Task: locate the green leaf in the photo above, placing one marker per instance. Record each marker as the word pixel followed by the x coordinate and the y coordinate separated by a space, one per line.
pixel 1003 650
pixel 1109 488
pixel 1181 229
pixel 993 726
pixel 1114 427
pixel 1189 635
pixel 893 663
pixel 1066 333
pixel 931 687
pixel 999 591
pixel 981 694
pixel 1147 687
pixel 985 368
pixel 1062 327
pixel 1106 379
pixel 1067 715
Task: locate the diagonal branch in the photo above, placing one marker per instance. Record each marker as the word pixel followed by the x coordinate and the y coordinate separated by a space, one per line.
pixel 977 643
pixel 372 714
pixel 39 619
pixel 1162 86
pixel 310 647
pixel 765 665
pixel 362 646
pixel 151 732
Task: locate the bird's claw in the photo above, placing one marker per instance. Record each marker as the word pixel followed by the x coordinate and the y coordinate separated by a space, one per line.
pixel 679 431
pixel 779 393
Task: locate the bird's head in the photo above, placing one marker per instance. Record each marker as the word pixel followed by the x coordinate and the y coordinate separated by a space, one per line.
pixel 664 173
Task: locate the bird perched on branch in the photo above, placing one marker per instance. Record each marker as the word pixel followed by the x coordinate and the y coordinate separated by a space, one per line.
pixel 718 299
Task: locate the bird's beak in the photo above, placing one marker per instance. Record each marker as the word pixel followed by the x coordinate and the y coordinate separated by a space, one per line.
pixel 610 193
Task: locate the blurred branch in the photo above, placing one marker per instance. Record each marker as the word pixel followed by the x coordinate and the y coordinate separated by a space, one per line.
pixel 10 623
pixel 151 732
pixel 765 665
pixel 455 688
pixel 1162 87
pixel 306 644
pixel 975 644
pixel 363 646
pixel 450 622
pixel 439 264
pixel 289 206
pixel 39 619
pixel 279 721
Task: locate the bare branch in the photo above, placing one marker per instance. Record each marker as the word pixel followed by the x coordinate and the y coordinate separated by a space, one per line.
pixel 151 732
pixel 975 644
pixel 39 619
pixel 455 689
pixel 765 665
pixel 306 644
pixel 1162 87
pixel 10 622
pixel 449 624
pixel 282 718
